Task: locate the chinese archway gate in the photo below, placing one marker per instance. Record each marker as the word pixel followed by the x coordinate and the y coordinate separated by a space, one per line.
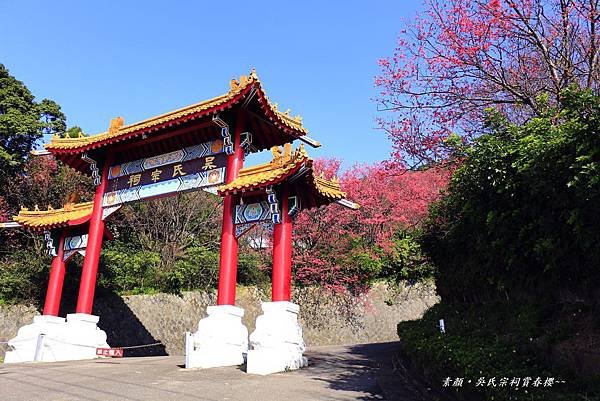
pixel 201 146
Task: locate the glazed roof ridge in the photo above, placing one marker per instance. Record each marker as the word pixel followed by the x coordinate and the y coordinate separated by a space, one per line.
pixel 283 164
pixel 119 130
pixel 69 214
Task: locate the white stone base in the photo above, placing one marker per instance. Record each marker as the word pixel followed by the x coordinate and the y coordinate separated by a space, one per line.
pixel 221 339
pixel 276 344
pixel 51 338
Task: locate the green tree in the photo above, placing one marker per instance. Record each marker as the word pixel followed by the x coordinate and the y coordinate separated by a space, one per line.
pixel 23 121
pixel 74 132
pixel 520 219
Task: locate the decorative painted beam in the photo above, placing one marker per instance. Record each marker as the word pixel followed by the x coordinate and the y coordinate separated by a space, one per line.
pixel 38 152
pixel 10 224
pixel 310 141
pixel 189 168
pixel 348 204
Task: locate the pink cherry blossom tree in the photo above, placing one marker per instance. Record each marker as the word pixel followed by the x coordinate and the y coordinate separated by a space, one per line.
pixel 459 57
pixel 340 248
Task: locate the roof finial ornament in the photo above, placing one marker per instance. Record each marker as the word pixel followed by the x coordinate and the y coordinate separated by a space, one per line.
pixel 36 208
pixel 253 73
pixel 287 150
pixel 287 112
pixel 300 152
pixel 115 125
pixel 281 156
pixel 233 85
pixel 50 208
pixel 276 152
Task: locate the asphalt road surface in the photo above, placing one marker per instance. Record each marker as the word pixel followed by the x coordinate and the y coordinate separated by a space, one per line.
pixel 356 372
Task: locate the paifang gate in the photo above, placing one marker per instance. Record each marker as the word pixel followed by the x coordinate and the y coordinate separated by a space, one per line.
pixel 201 146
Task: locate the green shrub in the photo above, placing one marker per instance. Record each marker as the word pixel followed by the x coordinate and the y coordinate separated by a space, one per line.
pixel 491 340
pixel 129 271
pixel 514 240
pixel 23 276
pixel 520 218
pixel 406 260
pixel 197 270
pixel 251 270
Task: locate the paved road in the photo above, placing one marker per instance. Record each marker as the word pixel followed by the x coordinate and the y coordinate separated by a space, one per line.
pixel 358 372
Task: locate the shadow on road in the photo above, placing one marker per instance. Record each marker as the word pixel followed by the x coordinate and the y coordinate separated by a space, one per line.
pixel 352 368
pixel 370 369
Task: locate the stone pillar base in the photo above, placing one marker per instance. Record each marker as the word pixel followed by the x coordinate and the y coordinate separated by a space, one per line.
pixel 276 344
pixel 51 338
pixel 221 339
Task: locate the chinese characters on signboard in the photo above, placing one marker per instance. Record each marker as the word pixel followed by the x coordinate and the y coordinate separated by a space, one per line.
pixel 193 167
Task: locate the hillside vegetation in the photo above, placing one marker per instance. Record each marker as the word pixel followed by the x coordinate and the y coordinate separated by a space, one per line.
pixel 516 250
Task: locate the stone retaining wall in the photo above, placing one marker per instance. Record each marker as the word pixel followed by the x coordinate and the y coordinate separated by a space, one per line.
pixel 326 319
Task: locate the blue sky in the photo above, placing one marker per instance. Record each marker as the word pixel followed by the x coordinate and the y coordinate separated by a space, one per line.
pixel 136 59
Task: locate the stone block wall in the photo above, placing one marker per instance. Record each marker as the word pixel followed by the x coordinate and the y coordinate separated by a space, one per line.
pixel 326 319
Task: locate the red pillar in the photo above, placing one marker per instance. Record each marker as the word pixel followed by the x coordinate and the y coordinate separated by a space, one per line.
pixel 87 287
pixel 282 253
pixel 56 279
pixel 229 243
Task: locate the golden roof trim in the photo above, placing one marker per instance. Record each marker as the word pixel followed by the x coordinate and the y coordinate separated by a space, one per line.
pixel 39 219
pixel 283 162
pixel 330 189
pixel 118 129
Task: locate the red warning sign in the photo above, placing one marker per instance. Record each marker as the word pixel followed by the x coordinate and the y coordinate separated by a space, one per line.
pixel 112 352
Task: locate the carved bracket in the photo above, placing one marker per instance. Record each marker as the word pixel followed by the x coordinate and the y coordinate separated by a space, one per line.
pixel 241 229
pixel 225 134
pixel 49 243
pixel 293 206
pixel 107 211
pixel 246 142
pixel 273 205
pixel 93 168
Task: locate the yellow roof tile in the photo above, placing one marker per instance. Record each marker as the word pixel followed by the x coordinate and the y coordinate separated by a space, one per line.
pixel 329 189
pixel 283 164
pixel 117 129
pixel 46 219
